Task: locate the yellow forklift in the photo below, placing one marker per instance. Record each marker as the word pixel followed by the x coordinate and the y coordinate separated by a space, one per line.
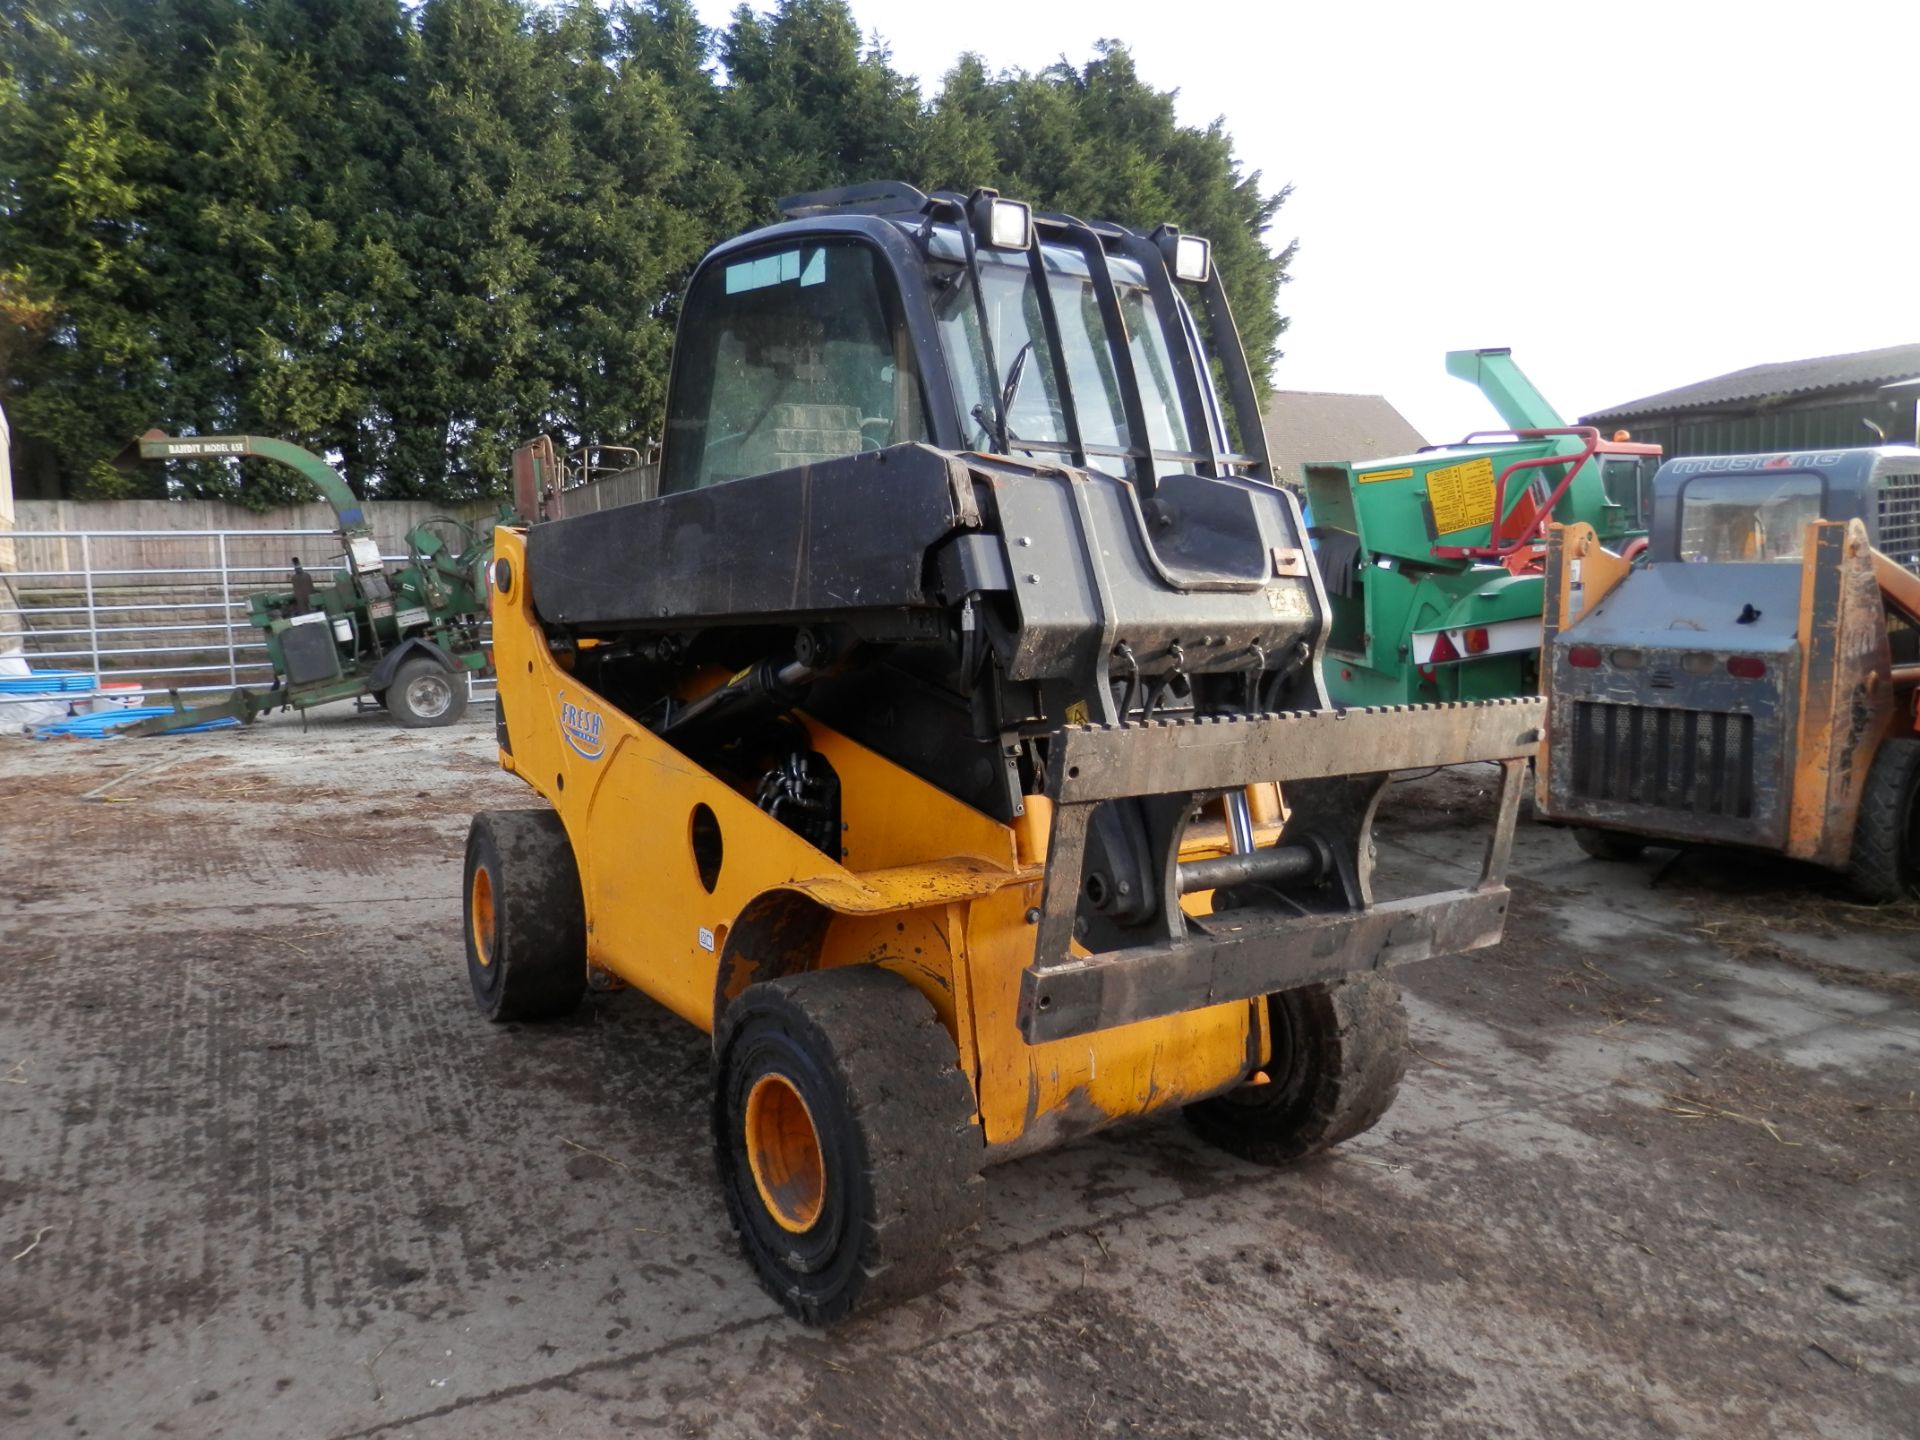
pixel 948 737
pixel 1755 683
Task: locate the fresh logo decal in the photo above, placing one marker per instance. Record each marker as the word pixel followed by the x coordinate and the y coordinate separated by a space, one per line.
pixel 582 727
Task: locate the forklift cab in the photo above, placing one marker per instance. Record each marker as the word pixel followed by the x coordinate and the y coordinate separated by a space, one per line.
pixel 876 316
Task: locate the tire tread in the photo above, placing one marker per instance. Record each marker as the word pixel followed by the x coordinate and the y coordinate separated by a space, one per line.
pixel 896 1069
pixel 1357 1039
pixel 542 937
pixel 1880 866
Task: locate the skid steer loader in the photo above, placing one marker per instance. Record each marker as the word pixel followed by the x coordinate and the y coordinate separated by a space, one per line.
pixel 1758 682
pixel 948 737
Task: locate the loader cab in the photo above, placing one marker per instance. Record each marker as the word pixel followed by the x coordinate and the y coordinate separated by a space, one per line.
pixel 878 316
pixel 1754 509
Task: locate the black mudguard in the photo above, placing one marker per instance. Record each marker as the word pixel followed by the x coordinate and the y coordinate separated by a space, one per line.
pixel 390 663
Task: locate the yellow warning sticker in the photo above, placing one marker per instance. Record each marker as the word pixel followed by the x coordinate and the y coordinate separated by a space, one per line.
pixel 1077 713
pixel 1461 495
pixel 1369 478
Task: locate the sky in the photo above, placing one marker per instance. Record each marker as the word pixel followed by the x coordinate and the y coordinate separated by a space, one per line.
pixel 1631 196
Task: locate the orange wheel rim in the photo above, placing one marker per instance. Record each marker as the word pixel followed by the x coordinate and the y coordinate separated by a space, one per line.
pixel 783 1150
pixel 480 913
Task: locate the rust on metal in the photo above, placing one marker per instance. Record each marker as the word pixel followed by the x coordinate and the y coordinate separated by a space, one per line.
pixel 1846 690
pixel 1288 561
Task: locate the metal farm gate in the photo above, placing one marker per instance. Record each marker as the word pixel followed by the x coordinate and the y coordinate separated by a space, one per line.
pixel 143 612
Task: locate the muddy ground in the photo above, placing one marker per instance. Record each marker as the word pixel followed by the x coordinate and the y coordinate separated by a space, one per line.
pixel 265 1172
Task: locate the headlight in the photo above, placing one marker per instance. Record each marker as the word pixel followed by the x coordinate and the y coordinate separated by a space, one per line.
pixel 1192 259
pixel 1000 224
pixel 1187 256
pixel 1012 225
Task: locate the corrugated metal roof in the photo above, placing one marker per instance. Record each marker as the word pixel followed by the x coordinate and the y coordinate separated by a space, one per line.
pixel 1785 377
pixel 1308 425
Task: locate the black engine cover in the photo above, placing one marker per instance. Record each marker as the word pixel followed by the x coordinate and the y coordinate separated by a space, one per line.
pixel 823 541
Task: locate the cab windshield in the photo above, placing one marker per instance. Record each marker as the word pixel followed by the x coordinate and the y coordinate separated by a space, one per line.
pixel 1037 416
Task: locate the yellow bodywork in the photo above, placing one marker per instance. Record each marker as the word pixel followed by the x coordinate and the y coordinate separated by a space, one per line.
pixel 927 887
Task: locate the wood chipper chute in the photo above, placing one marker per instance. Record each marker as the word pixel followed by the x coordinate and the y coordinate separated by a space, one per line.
pixel 948 737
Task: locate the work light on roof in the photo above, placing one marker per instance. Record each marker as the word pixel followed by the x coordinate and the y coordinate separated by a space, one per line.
pixel 1192 259
pixel 1187 256
pixel 1000 224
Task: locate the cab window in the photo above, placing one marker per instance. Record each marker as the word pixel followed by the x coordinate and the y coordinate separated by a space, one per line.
pixel 1037 414
pixel 789 356
pixel 1628 481
pixel 1731 519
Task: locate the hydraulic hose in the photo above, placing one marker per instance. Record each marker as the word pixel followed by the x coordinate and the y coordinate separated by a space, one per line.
pixel 758 691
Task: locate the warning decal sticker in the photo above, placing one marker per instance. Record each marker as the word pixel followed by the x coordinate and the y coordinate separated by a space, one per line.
pixel 1383 475
pixel 1461 495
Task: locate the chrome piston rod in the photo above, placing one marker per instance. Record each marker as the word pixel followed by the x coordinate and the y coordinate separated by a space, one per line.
pixel 1255 867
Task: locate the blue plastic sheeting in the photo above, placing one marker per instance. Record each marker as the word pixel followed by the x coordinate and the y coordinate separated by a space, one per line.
pixel 103 725
pixel 46 682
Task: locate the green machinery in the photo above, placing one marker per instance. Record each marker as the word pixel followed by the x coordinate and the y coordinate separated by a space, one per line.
pixel 1431 599
pixel 405 635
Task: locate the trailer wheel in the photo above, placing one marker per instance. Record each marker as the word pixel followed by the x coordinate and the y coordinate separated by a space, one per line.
pixel 1339 1051
pixel 844 1135
pixel 1885 865
pixel 425 694
pixel 1608 844
pixel 526 924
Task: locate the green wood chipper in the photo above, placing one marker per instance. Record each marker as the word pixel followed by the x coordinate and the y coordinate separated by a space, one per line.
pixel 405 634
pixel 1432 600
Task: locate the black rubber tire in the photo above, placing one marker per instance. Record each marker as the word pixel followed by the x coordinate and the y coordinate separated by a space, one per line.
pixel 527 938
pixel 892 1115
pixel 1885 864
pixel 425 694
pixel 1339 1051
pixel 1608 844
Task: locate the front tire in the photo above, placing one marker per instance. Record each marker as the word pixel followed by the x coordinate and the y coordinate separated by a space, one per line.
pixel 1885 864
pixel 526 924
pixel 844 1135
pixel 1339 1051
pixel 425 694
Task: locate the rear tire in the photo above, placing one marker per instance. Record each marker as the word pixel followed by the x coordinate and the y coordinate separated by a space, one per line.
pixel 526 925
pixel 1885 865
pixel 843 1131
pixel 425 694
pixel 1608 844
pixel 1339 1051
